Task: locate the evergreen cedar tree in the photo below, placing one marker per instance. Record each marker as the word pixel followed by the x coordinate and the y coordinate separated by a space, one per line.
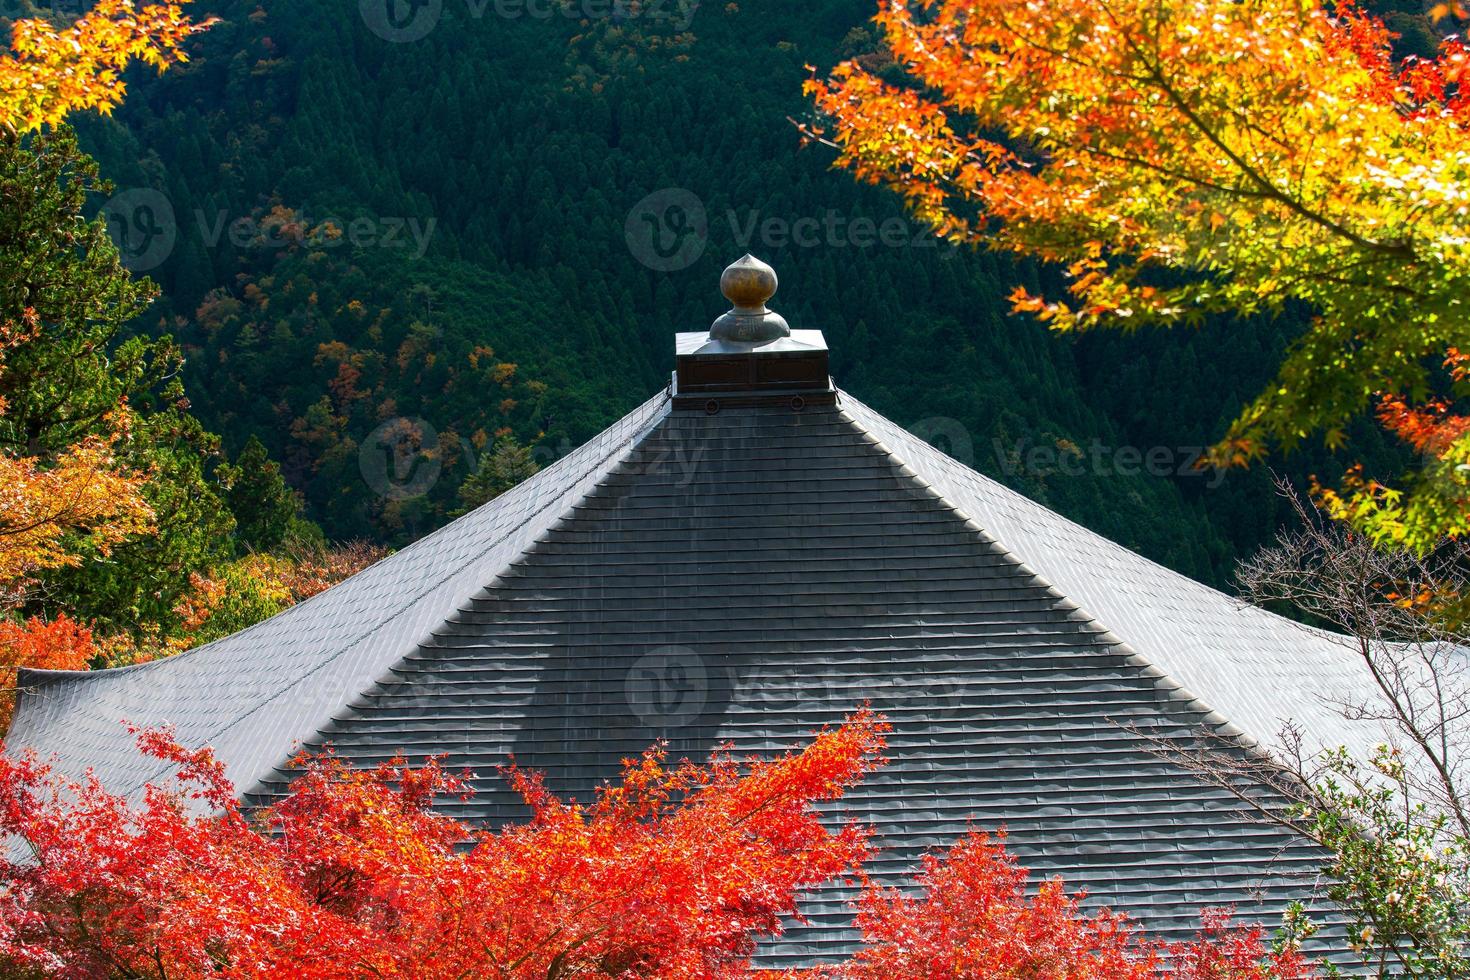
pixel 96 441
pixel 64 420
pixel 1190 158
pixel 60 495
pixel 675 871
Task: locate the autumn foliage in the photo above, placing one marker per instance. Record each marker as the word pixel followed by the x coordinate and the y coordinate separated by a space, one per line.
pixel 1185 158
pixel 38 644
pixel 46 505
pixel 674 871
pixel 977 914
pixel 43 507
pixel 53 70
pixel 253 588
pixel 1437 501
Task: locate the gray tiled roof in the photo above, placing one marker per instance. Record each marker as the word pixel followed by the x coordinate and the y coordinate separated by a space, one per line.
pixel 748 576
pixel 255 694
pixel 1254 668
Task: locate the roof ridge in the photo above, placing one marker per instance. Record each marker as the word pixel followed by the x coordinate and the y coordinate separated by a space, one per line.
pixel 609 467
pixel 1222 703
pixel 642 420
pixel 619 449
pixel 1170 686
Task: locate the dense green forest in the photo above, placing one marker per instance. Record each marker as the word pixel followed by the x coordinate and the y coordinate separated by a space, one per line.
pixel 490 218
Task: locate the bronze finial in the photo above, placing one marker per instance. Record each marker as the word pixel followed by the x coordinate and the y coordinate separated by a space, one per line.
pixel 749 284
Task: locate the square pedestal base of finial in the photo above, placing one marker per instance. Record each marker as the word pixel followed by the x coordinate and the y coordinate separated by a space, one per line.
pixel 711 374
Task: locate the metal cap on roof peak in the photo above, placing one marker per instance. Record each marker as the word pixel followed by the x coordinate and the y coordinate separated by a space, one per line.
pixel 750 356
pixel 748 283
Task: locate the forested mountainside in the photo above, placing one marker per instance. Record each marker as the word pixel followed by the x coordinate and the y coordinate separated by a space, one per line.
pixel 491 216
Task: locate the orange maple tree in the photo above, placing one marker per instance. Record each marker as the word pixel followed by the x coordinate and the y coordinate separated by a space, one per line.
pixel 44 507
pixel 57 644
pixel 1188 157
pixel 83 491
pixel 51 71
pixel 675 872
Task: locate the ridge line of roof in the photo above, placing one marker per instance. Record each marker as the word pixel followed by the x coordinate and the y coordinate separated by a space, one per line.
pixel 1163 681
pixel 621 446
pixel 1089 532
pixel 107 672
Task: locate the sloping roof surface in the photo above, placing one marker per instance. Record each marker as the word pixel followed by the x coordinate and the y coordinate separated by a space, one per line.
pixel 1255 668
pixel 749 576
pixel 257 693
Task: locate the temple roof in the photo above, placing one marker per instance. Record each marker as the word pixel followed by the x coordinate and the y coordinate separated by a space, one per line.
pixel 745 566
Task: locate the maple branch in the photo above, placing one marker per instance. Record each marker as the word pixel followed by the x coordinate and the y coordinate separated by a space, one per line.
pixel 1171 172
pixel 1269 188
pixel 56 516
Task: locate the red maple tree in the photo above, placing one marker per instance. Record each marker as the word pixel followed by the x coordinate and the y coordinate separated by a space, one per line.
pixel 977 915
pixel 676 871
